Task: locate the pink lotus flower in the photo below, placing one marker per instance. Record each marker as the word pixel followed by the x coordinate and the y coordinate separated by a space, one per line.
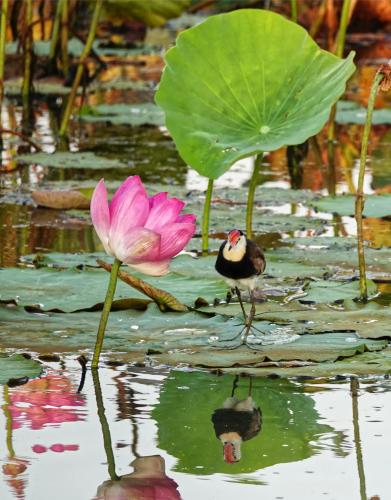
pixel 145 233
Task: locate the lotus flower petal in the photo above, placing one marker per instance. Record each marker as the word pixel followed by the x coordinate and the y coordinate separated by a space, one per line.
pixel 137 245
pixel 157 199
pixel 163 212
pixel 129 207
pixel 159 268
pixel 174 238
pixel 186 218
pixel 100 214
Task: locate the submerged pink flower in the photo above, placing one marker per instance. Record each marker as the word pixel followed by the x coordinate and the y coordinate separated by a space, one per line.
pixel 145 233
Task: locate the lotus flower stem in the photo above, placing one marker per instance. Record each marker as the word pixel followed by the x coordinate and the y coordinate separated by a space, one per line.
pixel 64 38
pixel 80 67
pixel 354 388
pixel 27 56
pixel 345 17
pixel 3 32
pixel 105 426
pixel 55 30
pixel 251 195
pixel 8 417
pixel 105 312
pixel 360 193
pixel 205 217
pixel 294 10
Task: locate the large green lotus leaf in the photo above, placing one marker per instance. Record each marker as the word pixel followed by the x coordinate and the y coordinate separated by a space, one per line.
pixel 71 290
pixel 375 205
pixel 351 112
pixel 291 430
pixel 60 159
pixel 125 114
pixel 246 82
pixel 17 366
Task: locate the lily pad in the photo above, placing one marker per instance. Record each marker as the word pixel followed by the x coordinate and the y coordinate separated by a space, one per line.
pixel 17 366
pixel 351 112
pixel 84 160
pixel 375 205
pixel 251 81
pixel 125 114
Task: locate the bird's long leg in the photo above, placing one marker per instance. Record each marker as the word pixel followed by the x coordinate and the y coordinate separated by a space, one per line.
pixel 241 303
pixel 250 386
pixel 249 320
pixel 234 386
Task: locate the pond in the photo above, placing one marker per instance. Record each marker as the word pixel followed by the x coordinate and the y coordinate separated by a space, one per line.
pixel 153 428
pixel 312 386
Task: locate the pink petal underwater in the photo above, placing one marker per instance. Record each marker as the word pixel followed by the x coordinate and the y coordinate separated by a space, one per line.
pixel 129 208
pixel 137 245
pixel 100 214
pixel 159 268
pixel 174 238
pixel 163 212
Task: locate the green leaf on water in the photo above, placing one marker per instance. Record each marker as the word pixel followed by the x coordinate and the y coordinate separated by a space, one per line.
pixel 351 112
pixel 125 114
pixel 375 205
pixel 85 159
pixel 17 366
pixel 251 81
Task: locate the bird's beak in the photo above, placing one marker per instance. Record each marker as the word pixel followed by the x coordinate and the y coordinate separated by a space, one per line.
pixel 231 454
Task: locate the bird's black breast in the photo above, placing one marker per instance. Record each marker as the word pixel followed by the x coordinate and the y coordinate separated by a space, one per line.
pixel 245 268
pixel 246 423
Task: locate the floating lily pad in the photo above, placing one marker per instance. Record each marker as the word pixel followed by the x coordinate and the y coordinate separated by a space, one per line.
pixel 60 159
pixel 351 112
pixel 290 423
pixel 17 366
pixel 251 81
pixel 125 114
pixel 70 290
pixel 375 205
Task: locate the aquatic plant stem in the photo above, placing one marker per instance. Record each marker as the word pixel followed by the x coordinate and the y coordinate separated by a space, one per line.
pixel 80 67
pixel 28 46
pixel 64 38
pixel 354 388
pixel 340 42
pixel 104 425
pixel 251 195
pixel 359 206
pixel 3 32
pixel 55 30
pixel 294 10
pixel 8 417
pixel 105 312
pixel 205 218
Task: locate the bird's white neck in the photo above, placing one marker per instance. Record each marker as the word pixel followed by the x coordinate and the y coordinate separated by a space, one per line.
pixel 235 253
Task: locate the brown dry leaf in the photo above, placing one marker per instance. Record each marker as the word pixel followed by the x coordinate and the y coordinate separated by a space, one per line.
pixel 61 200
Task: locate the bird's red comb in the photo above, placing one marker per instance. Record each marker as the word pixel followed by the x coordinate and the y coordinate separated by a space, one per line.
pixel 233 236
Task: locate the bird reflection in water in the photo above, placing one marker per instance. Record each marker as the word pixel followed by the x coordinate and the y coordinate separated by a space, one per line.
pixel 238 420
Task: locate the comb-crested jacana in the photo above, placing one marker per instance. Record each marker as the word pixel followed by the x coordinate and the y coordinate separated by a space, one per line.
pixel 240 261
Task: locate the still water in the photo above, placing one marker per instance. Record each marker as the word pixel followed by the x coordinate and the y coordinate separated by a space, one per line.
pixel 139 433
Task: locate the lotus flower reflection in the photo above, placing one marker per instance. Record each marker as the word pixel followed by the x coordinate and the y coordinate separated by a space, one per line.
pixel 145 233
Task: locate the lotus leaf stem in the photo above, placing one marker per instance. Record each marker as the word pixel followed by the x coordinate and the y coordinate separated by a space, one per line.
pixel 8 417
pixel 251 195
pixel 360 193
pixel 3 33
pixel 55 30
pixel 340 43
pixel 64 38
pixel 105 426
pixel 105 312
pixel 354 389
pixel 26 86
pixel 80 67
pixel 294 10
pixel 205 217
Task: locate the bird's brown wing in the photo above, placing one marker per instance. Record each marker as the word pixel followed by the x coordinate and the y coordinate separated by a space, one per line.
pixel 257 257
